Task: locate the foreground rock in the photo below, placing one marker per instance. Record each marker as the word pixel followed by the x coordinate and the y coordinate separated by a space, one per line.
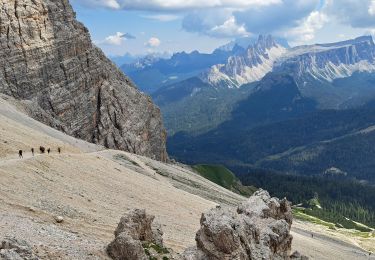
pixel 47 61
pixel 138 237
pixel 260 229
pixel 13 249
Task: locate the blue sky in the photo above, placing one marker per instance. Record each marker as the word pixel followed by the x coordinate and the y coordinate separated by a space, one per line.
pixel 167 26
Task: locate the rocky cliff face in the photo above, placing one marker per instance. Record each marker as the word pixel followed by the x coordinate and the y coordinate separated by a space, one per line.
pixel 47 60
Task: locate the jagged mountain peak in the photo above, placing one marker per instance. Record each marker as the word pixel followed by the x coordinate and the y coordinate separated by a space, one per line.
pixel 266 41
pixel 249 66
pixel 323 62
pixel 245 42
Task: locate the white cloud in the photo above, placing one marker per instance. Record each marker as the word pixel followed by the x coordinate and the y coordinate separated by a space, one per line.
pixel 355 13
pixel 229 28
pixel 112 4
pixel 308 27
pixel 116 39
pixel 371 9
pixel 153 42
pixel 160 5
pixel 275 18
pixel 162 17
pixel 267 19
pixel 299 21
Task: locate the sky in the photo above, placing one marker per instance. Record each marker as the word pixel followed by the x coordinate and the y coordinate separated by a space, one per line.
pixel 140 27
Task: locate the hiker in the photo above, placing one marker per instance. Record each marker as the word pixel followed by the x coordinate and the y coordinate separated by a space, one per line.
pixel 20 154
pixel 49 150
pixel 59 150
pixel 32 151
pixel 42 149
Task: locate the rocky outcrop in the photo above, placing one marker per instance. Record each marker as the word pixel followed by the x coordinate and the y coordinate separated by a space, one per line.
pixel 137 237
pixel 13 249
pixel 260 229
pixel 47 60
pixel 140 226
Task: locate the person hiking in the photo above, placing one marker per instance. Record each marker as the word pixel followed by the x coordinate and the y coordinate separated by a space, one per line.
pixel 59 150
pixel 48 150
pixel 20 154
pixel 32 151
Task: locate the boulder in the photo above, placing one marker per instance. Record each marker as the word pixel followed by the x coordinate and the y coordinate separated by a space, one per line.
pixel 135 236
pixel 59 219
pixel 258 229
pixel 126 247
pixel 140 226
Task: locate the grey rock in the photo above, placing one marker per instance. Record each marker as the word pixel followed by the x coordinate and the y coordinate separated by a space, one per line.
pixel 297 256
pixel 261 205
pixel 59 219
pixel 47 61
pixel 135 232
pixel 9 254
pixel 193 253
pixel 140 226
pixel 259 229
pixel 125 247
pixel 14 249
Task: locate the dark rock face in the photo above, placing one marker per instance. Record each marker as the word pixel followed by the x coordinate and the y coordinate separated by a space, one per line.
pixel 260 229
pixel 47 60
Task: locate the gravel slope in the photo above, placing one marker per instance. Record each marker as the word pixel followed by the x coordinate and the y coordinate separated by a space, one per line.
pixel 92 187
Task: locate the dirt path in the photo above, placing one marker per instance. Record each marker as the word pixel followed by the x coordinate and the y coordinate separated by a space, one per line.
pixel 323 247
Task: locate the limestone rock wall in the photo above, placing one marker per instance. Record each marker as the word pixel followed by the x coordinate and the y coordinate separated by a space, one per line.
pixel 48 61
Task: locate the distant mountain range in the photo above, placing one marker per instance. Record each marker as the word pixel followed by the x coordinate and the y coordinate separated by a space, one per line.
pixel 336 76
pixel 300 110
pixel 154 71
pixel 151 73
pixel 320 62
pixel 127 58
pixel 245 42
